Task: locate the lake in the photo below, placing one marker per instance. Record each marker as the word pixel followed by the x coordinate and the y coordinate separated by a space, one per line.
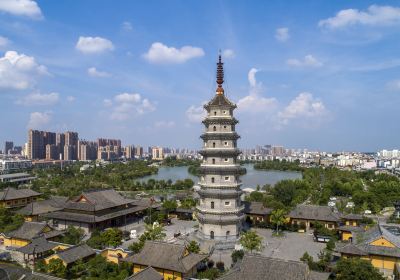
pixel 251 179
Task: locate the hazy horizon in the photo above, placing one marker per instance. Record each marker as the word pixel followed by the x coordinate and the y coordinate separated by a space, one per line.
pixel 317 75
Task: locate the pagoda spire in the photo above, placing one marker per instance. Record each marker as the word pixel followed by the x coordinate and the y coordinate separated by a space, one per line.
pixel 220 75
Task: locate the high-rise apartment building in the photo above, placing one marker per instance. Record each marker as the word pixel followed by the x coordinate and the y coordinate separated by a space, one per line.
pixel 70 152
pixel 8 145
pixel 71 139
pixel 60 142
pixel 220 211
pixel 102 142
pixel 36 147
pixel 278 151
pixel 157 153
pixel 129 152
pixel 87 150
pixel 138 151
pixel 51 152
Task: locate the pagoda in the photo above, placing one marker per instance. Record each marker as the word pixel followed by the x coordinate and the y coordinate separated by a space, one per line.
pixel 220 211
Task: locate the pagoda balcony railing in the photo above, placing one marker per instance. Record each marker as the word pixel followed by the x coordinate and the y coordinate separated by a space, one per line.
pixel 220 194
pixel 220 120
pixel 219 220
pixel 219 211
pixel 220 152
pixel 220 136
pixel 221 186
pixel 221 169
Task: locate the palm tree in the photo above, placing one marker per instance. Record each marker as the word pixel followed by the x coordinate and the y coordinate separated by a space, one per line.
pixel 278 218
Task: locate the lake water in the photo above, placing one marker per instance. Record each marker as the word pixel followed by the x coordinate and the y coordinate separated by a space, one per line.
pixel 251 179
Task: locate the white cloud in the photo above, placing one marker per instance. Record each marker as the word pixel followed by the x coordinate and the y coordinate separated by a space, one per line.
pixel 164 124
pixel 282 34
pixel 160 53
pixel 304 108
pixel 127 105
pixel 4 41
pixel 71 98
pixel 394 85
pixel 127 26
pixel 251 77
pixel 92 45
pixel 254 102
pixel 228 53
pixel 195 114
pixel 37 98
pixel 107 102
pixel 308 61
pixel 93 72
pixel 374 16
pixel 27 8
pixel 18 71
pixel 38 120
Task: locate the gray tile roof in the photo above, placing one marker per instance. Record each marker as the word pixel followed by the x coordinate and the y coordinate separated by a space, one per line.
pixel 30 230
pixel 88 218
pixel 148 273
pixel 38 245
pixel 11 193
pixel 98 200
pixel 350 228
pixel 314 212
pixel 220 100
pixel 75 253
pixel 351 216
pixel 263 268
pixel 256 208
pixel 55 203
pixel 166 256
pixel 362 240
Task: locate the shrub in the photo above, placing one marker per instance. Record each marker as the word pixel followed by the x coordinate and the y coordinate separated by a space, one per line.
pixel 220 265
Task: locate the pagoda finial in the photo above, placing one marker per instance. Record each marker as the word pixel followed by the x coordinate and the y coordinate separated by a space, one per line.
pixel 220 74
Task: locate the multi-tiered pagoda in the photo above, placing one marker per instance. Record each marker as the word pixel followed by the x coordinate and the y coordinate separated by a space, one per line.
pixel 220 211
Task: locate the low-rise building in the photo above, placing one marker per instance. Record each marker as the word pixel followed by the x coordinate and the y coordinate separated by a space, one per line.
pixel 114 255
pixel 12 165
pixel 148 273
pixel 380 245
pixel 18 178
pixel 172 261
pixel 33 210
pixel 308 215
pixel 27 232
pixel 253 267
pixel 97 209
pixel 256 212
pixel 71 255
pixel 10 197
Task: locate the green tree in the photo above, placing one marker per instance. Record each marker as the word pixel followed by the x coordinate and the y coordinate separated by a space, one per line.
pixel 356 269
pixel 169 205
pixel 193 247
pixel 212 273
pixel 57 268
pixel 73 235
pixel 9 221
pixel 112 237
pixel 153 233
pixel 237 255
pixel 278 218
pixel 251 241
pixel 136 247
pixel 40 266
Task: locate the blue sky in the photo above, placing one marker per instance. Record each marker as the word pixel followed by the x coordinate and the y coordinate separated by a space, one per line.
pixel 305 74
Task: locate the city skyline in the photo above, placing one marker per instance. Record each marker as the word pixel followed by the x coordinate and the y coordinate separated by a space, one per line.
pixel 308 78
